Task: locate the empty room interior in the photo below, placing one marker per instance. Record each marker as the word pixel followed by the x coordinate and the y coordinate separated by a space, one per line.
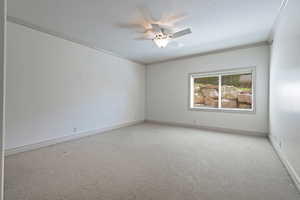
pixel 150 100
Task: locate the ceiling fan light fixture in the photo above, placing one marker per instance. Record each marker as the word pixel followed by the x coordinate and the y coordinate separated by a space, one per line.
pixel 161 40
pixel 161 43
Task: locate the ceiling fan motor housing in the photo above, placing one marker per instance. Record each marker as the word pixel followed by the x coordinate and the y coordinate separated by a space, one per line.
pixel 161 36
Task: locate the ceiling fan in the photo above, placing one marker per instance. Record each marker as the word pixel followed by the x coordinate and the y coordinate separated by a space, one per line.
pixel 161 31
pixel 161 35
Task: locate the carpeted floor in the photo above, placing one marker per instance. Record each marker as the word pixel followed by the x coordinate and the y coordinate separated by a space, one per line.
pixel 151 162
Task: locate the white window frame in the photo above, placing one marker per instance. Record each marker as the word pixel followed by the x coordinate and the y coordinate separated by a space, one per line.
pixel 219 74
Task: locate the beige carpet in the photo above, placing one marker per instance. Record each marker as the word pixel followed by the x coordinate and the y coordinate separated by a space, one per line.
pixel 151 162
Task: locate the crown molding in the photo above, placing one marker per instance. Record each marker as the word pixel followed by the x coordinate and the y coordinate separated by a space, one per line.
pixel 280 10
pixel 246 46
pixel 63 36
pixel 27 24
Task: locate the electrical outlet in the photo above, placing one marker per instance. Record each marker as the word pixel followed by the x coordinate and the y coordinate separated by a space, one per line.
pixel 74 130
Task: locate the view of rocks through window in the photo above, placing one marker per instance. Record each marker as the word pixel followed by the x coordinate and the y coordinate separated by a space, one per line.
pixel 236 91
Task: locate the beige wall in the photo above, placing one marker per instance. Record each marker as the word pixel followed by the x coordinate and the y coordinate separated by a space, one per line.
pixel 2 73
pixel 57 88
pixel 285 87
pixel 168 90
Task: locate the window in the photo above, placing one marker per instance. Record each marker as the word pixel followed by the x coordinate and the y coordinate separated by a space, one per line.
pixel 224 90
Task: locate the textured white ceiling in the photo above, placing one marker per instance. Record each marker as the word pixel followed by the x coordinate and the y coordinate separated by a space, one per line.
pixel 216 24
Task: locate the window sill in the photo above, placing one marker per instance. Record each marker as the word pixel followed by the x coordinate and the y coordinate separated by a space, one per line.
pixel 225 110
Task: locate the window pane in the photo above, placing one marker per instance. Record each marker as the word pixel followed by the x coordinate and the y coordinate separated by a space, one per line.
pixel 206 92
pixel 237 91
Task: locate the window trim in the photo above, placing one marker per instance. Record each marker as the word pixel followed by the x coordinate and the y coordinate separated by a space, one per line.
pixel 220 73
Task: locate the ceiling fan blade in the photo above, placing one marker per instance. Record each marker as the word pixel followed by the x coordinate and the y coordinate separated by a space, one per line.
pixel 130 25
pixel 142 38
pixel 149 34
pixel 182 33
pixel 166 26
pixel 146 14
pixel 166 29
pixel 156 28
pixel 172 19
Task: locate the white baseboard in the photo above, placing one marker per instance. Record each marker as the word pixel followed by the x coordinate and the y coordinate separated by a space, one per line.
pixel 209 128
pixel 68 138
pixel 292 172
